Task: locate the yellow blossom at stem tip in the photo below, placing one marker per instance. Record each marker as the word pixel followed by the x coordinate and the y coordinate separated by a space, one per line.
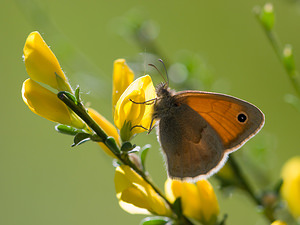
pixel 107 127
pixel 132 118
pixel 278 222
pixel 122 78
pixel 198 200
pixel 136 196
pixel 42 65
pixel 45 103
pixel 290 189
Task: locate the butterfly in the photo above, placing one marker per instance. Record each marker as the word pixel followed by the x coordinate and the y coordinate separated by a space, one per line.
pixel 197 130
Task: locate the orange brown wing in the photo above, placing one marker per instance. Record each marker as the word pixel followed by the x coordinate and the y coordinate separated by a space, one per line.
pixel 235 120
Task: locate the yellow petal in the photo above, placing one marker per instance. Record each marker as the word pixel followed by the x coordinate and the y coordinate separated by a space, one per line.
pixel 127 112
pixel 173 189
pixel 122 78
pixel 190 201
pixel 188 192
pixel 108 128
pixel 46 104
pixel 278 222
pixel 42 65
pixel 134 193
pixel 198 201
pixel 130 208
pixel 209 203
pixel 290 188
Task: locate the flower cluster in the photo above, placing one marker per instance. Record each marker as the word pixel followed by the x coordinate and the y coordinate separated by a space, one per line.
pixel 43 67
pixel 136 194
pixel 129 117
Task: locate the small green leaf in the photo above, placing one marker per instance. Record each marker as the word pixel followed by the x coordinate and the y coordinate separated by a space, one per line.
pixel 81 138
pixel 64 129
pixel 177 206
pixel 278 186
pixel 156 220
pixel 77 94
pixel 143 154
pixel 127 146
pixel 112 145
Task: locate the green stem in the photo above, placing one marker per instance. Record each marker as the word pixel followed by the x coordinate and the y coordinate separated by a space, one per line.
pixel 269 214
pixel 82 113
pixel 278 49
pixel 244 183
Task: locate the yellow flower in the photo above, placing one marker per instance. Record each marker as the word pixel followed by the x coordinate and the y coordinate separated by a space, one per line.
pixel 130 117
pixel 290 189
pixel 198 200
pixel 107 127
pixel 42 65
pixel 46 104
pixel 136 196
pixel 122 78
pixel 278 222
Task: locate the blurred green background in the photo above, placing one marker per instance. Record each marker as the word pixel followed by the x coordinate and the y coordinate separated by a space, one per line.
pixel 45 181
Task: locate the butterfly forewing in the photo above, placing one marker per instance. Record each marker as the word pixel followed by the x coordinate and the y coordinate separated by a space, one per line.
pixel 233 119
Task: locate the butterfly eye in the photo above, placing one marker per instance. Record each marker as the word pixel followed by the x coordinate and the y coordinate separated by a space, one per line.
pixel 242 117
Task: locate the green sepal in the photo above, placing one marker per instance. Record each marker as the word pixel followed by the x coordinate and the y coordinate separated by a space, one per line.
pixel 62 85
pixel 143 153
pixel 156 220
pixel 80 138
pixel 110 142
pixel 64 129
pixel 125 131
pixel 177 207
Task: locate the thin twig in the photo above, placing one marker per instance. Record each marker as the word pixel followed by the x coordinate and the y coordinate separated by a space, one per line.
pixel 247 187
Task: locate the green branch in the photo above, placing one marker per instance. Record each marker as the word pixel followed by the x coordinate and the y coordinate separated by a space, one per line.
pixel 266 18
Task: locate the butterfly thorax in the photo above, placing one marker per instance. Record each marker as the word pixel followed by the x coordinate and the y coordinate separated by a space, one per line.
pixel 165 102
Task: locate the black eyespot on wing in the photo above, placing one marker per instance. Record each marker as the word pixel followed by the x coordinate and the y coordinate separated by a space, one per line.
pixel 242 117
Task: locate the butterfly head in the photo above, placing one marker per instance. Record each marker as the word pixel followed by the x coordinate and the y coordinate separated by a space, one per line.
pixel 162 90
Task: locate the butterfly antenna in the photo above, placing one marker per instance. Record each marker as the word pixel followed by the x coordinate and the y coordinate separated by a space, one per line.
pixel 150 64
pixel 165 70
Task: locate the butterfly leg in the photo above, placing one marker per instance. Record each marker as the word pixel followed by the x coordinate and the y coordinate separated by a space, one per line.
pixel 149 130
pixel 138 126
pixel 148 102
